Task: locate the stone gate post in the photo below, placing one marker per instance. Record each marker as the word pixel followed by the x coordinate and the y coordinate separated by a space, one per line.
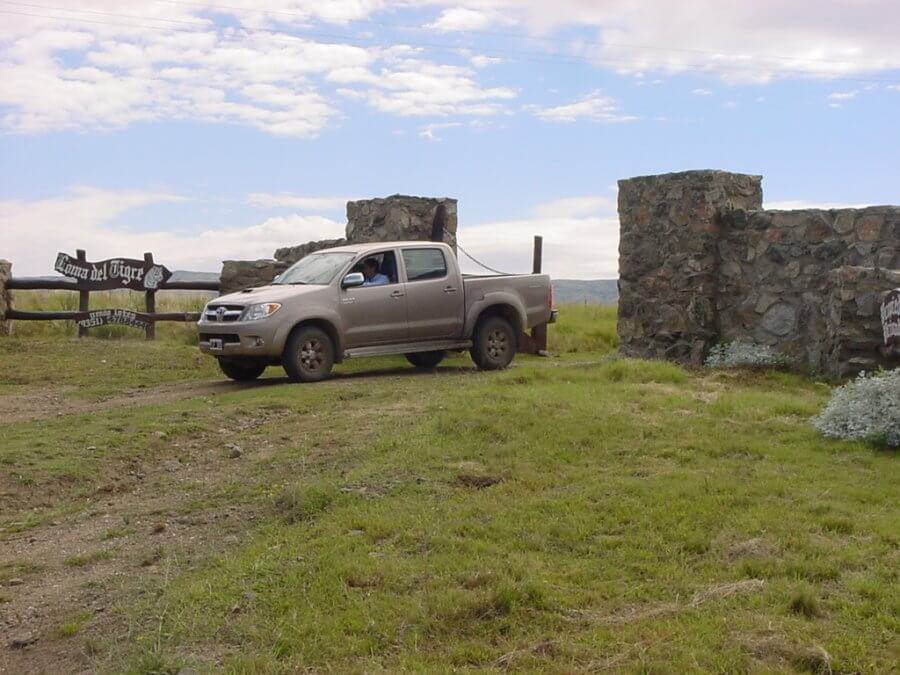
pixel 668 259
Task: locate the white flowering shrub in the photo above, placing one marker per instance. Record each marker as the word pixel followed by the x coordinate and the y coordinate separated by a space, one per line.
pixel 745 354
pixel 867 409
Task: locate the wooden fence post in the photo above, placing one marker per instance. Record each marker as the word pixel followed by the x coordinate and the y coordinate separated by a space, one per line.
pixel 5 297
pixel 150 299
pixel 538 333
pixel 84 296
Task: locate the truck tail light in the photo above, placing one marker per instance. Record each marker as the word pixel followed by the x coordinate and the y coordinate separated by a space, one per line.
pixel 550 297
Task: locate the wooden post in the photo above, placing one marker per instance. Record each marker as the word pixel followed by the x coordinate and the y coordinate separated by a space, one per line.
pixel 150 299
pixel 538 333
pixel 84 297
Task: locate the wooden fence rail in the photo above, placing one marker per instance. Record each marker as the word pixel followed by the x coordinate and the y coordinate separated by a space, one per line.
pixel 83 277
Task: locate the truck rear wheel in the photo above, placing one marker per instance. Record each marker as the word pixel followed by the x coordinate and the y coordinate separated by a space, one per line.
pixel 308 355
pixel 241 371
pixel 494 345
pixel 425 359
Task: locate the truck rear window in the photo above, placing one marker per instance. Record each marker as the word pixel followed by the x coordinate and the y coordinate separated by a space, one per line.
pixel 424 263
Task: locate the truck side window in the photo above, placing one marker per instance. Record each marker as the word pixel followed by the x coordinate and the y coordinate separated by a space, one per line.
pixel 424 263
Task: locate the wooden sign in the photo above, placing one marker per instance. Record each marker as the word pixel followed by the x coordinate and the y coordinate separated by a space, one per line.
pixel 138 275
pixel 890 320
pixel 112 317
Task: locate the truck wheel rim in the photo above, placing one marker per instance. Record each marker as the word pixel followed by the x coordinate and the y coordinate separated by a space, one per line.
pixel 312 354
pixel 496 343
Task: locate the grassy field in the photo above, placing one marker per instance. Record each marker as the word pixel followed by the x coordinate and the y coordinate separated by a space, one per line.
pixel 572 514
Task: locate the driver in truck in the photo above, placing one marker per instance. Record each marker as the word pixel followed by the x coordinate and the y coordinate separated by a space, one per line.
pixel 371 273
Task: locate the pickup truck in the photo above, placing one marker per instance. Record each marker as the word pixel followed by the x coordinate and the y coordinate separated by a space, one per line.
pixel 323 309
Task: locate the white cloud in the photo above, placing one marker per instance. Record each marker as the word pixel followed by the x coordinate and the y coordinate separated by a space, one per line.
pixel 701 92
pixel 77 74
pixel 574 207
pixel 842 95
pixel 594 106
pixel 418 87
pixel 791 204
pixel 428 131
pixel 575 246
pixel 750 42
pixel 96 220
pixel 286 200
pixel 461 18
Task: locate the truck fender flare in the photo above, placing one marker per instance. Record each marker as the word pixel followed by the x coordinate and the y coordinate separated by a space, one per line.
pixel 326 324
pixel 505 304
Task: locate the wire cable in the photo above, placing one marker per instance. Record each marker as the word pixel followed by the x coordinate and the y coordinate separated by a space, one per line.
pixel 473 258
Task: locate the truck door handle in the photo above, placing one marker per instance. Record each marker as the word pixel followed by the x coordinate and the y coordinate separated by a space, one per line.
pixel 449 289
pixel 397 294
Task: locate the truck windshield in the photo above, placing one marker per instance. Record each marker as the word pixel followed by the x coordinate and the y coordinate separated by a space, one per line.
pixel 318 268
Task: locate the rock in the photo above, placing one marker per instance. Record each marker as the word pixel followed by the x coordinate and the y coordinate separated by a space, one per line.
pixel 291 254
pixel 234 451
pixel 22 640
pixel 15 581
pixel 238 274
pixel 780 319
pixel 868 228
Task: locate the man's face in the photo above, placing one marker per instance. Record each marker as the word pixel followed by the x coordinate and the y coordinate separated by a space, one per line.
pixel 368 271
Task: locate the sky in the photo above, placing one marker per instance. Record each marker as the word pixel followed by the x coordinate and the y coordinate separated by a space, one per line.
pixel 224 129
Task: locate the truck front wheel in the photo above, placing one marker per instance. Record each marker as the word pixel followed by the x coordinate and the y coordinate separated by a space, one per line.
pixel 308 355
pixel 494 344
pixel 241 371
pixel 425 359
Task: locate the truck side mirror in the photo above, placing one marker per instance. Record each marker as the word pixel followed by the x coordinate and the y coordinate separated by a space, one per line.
pixel 353 280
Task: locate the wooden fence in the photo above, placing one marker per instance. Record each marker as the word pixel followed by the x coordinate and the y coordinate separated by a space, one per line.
pixel 84 277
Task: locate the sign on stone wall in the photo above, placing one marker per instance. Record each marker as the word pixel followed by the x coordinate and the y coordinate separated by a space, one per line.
pixel 890 320
pixel 112 317
pixel 138 275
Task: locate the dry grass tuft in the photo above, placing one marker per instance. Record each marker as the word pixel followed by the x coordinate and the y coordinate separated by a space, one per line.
pixel 811 659
pixel 478 482
pixel 725 590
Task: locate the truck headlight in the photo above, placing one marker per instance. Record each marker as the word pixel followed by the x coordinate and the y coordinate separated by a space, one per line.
pixel 261 311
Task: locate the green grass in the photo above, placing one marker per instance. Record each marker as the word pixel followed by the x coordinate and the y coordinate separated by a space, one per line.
pixel 571 514
pixel 584 328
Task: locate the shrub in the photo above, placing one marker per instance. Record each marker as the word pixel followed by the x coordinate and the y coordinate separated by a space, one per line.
pixel 866 409
pixel 745 354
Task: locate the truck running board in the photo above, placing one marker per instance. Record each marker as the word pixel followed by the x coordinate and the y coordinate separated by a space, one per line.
pixel 408 348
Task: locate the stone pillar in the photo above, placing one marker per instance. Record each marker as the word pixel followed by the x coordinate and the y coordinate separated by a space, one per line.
pixel 5 297
pixel 668 259
pixel 401 218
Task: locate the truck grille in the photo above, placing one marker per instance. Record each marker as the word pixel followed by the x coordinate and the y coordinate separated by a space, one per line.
pixel 226 338
pixel 220 313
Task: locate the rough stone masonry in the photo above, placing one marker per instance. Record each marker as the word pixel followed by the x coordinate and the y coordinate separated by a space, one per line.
pixel 701 262
pixel 394 218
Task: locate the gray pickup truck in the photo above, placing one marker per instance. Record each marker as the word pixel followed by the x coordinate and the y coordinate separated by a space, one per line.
pixel 323 309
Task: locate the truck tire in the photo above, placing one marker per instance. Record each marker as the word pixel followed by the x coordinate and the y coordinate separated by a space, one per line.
pixel 308 355
pixel 425 359
pixel 241 371
pixel 494 344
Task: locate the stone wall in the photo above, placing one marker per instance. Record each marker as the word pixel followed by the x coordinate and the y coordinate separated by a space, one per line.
pixel 775 278
pixel 668 259
pixel 395 218
pixel 701 262
pixel 5 297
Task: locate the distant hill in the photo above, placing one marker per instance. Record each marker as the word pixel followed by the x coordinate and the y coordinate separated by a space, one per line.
pixel 586 291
